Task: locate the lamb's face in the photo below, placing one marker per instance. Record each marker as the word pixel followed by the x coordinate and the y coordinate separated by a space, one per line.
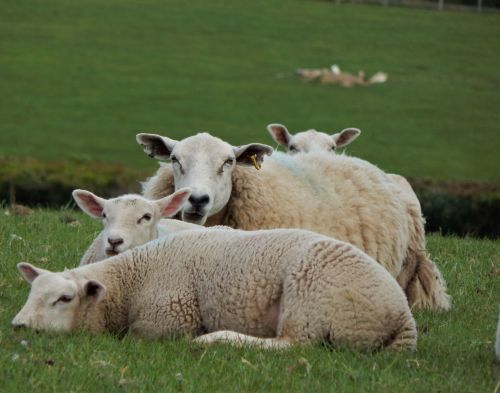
pixel 204 164
pixel 54 299
pixel 129 220
pixel 311 140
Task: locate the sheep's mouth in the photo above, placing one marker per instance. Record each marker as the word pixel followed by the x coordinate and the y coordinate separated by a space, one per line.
pixel 111 252
pixel 193 217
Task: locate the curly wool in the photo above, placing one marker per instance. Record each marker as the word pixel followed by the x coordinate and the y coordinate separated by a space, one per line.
pixel 295 285
pixel 338 196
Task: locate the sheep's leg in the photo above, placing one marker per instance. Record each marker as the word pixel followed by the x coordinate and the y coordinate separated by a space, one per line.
pixel 239 339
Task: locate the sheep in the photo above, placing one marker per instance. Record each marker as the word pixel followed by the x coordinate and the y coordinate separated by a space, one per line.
pixel 334 75
pixel 309 140
pixel 282 287
pixel 129 221
pixel 338 196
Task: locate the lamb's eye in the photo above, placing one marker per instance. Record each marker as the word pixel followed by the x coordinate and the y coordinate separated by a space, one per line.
pixel 103 215
pixel 175 161
pixel 64 299
pixel 145 217
pixel 333 148
pixel 292 148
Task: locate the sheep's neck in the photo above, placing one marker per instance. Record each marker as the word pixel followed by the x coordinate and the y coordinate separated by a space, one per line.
pixel 121 279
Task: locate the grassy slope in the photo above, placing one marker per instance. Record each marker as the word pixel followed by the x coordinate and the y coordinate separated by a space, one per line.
pixel 454 350
pixel 79 79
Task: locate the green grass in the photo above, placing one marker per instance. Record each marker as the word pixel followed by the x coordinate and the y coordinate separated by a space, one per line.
pixel 454 350
pixel 80 79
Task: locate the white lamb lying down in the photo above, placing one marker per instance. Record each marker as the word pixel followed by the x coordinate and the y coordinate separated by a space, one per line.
pixel 281 286
pixel 130 221
pixel 307 141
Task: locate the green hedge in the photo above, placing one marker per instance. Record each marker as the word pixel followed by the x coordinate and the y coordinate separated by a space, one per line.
pixel 461 208
pixel 40 183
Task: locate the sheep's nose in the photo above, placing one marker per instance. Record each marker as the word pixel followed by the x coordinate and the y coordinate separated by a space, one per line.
pixel 18 325
pixel 115 242
pixel 199 201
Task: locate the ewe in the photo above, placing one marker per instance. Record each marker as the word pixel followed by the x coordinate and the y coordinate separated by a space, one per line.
pixel 336 195
pixel 129 221
pixel 306 141
pixel 293 285
pixel 311 142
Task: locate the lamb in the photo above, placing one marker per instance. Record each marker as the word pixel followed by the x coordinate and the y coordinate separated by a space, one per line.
pixel 338 196
pixel 309 140
pixel 129 221
pixel 282 287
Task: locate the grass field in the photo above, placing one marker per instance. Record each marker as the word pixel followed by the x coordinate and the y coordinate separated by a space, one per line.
pixel 80 79
pixel 454 350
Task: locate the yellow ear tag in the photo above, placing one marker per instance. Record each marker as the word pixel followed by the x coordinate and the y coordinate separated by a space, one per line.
pixel 255 163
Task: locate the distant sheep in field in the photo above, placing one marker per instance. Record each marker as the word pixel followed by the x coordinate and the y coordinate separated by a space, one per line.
pixel 335 76
pixel 338 196
pixel 309 140
pixel 295 286
pixel 129 221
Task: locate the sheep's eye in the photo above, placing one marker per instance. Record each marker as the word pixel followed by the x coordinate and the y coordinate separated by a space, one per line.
pixel 229 161
pixel 333 148
pixel 64 299
pixel 292 148
pixel 103 215
pixel 145 217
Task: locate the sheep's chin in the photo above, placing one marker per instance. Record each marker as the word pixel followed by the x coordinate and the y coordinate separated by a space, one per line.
pixel 111 253
pixel 194 218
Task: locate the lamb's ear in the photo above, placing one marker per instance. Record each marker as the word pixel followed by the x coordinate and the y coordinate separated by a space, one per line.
pixel 156 146
pixel 94 290
pixel 30 272
pixel 89 203
pixel 280 134
pixel 170 205
pixel 252 154
pixel 346 136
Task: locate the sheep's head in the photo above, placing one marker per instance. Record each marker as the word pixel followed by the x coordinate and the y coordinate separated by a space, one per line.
pixel 129 220
pixel 310 140
pixel 204 164
pixel 55 299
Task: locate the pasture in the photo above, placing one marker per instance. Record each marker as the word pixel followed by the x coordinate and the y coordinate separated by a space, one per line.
pixel 80 79
pixel 455 349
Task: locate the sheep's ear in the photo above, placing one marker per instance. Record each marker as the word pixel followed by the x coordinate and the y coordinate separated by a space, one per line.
pixel 170 205
pixel 94 290
pixel 279 133
pixel 156 146
pixel 252 154
pixel 346 136
pixel 30 272
pixel 89 203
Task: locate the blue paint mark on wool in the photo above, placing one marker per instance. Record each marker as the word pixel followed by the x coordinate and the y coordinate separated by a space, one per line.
pixel 292 165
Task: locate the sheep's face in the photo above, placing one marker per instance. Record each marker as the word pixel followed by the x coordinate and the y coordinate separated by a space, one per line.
pixel 130 220
pixel 311 140
pixel 204 164
pixel 55 299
